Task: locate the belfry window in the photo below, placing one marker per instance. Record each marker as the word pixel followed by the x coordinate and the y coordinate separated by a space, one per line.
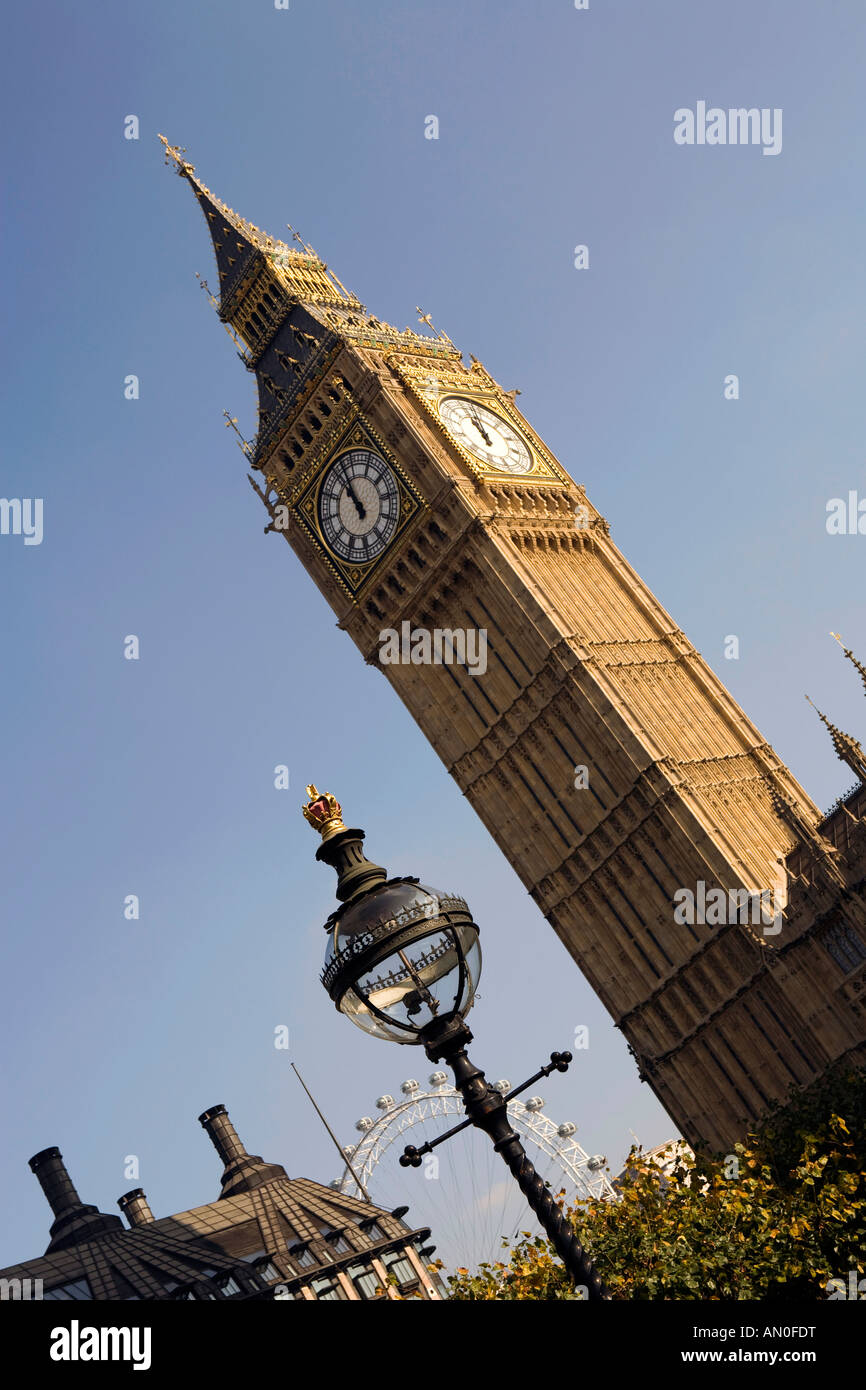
pixel 845 946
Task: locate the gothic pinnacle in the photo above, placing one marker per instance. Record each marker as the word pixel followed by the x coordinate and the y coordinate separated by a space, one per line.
pixel 848 750
pixel 851 657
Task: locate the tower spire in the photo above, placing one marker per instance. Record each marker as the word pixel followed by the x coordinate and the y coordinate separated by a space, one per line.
pixel 847 748
pixel 243 251
pixel 235 240
pixel 852 658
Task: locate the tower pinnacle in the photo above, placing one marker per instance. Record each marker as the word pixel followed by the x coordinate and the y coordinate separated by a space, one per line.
pixel 847 748
pixel 236 241
pixel 852 658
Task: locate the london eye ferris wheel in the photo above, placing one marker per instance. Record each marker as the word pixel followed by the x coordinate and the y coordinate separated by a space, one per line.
pixel 460 1192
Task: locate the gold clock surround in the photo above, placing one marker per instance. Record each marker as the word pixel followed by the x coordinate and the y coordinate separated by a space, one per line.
pixel 432 382
pixel 356 434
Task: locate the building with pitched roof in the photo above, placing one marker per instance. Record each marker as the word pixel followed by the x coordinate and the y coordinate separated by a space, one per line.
pixel 267 1236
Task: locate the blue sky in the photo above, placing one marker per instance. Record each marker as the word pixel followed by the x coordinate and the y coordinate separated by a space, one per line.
pixel 156 777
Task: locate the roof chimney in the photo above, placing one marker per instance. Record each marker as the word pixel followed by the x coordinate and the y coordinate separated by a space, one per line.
pixel 242 1171
pixel 135 1207
pixel 75 1222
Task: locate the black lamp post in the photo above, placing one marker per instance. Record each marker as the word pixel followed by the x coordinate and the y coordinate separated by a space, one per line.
pixel 403 962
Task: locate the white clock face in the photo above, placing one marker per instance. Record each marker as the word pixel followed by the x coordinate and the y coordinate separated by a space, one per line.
pixel 486 435
pixel 359 506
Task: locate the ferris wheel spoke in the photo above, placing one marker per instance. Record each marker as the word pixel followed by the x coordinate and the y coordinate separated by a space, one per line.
pixel 465 1198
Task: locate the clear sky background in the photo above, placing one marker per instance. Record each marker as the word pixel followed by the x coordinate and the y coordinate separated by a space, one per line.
pixel 156 777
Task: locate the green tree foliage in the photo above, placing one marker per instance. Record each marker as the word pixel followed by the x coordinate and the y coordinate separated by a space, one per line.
pixel 775 1220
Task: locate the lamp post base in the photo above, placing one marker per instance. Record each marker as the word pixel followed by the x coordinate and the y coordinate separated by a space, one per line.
pixel 446 1040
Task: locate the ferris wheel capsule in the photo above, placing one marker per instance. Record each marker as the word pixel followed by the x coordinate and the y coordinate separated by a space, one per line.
pixel 503 1087
pixel 409 1087
pixel 552 1148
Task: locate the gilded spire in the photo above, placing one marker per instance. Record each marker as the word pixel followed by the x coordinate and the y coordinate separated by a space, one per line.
pixel 847 748
pixel 234 238
pixel 851 657
pixel 253 297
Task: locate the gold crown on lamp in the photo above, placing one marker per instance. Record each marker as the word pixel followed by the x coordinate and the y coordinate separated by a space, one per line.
pixel 324 813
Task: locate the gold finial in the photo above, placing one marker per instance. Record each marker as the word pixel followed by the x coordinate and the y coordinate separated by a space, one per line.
pixel 175 153
pixel 208 291
pixel 425 318
pixel 308 250
pixel 227 326
pixel 324 813
pixel 821 715
pixel 245 445
pixel 858 665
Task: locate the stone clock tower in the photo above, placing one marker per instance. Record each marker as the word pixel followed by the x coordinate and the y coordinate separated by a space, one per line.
pixel 654 827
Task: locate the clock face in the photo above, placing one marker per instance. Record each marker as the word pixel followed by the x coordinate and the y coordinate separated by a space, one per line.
pixel 486 435
pixel 359 506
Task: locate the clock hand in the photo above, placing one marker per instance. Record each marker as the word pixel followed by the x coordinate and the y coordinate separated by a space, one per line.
pixel 480 428
pixel 362 511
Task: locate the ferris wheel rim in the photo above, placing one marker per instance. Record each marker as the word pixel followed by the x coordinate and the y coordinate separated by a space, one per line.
pixel 589 1183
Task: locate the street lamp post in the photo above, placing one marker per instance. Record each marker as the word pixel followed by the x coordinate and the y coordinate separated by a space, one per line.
pixel 403 962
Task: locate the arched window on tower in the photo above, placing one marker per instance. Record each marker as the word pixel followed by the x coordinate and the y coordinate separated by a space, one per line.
pixel 845 946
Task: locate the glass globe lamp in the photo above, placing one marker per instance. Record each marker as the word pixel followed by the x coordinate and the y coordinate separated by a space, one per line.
pixel 403 963
pixel 400 955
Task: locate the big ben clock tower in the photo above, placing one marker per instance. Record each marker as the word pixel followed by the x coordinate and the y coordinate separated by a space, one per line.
pixel 682 866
